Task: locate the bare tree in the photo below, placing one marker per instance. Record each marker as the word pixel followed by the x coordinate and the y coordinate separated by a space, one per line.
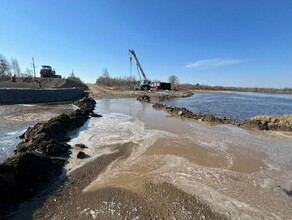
pixel 174 81
pixel 105 74
pixel 15 67
pixel 106 77
pixel 28 72
pixel 4 66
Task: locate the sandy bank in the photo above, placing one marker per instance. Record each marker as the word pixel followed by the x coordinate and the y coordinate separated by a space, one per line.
pixel 114 201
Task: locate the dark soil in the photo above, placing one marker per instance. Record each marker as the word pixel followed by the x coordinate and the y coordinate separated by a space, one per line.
pixel 40 157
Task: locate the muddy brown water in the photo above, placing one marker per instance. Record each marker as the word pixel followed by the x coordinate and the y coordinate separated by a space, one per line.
pixel 228 171
pixel 235 172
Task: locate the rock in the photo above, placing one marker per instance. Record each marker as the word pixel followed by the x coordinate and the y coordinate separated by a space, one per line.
pixel 288 192
pixel 180 113
pixel 82 146
pixel 271 122
pixel 92 114
pixel 81 155
pixel 144 98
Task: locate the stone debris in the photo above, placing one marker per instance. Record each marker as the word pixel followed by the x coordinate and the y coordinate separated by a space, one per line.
pixel 82 146
pixel 81 155
pixel 144 98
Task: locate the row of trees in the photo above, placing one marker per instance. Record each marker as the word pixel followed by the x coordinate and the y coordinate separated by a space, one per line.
pixel 107 80
pixel 230 88
pixel 10 68
pixel 127 81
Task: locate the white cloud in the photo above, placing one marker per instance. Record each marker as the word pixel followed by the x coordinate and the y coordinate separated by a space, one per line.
pixel 211 63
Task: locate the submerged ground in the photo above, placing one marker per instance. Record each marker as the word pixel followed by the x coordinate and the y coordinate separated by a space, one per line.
pixel 143 164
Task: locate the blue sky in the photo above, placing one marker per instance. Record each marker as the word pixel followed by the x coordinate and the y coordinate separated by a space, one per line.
pixel 216 42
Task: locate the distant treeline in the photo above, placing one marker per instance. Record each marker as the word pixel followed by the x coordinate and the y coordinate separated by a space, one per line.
pixel 121 82
pixel 240 89
pixel 129 82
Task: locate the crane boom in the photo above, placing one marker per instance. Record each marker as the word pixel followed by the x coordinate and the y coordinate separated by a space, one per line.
pixel 140 70
pixel 144 82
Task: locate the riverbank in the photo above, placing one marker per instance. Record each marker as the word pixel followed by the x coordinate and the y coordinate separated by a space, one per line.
pixel 142 163
pixel 145 164
pixel 40 157
pixel 264 122
pixel 100 91
pixel 109 202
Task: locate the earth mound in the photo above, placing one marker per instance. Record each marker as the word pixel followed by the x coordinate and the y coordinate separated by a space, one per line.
pixel 30 82
pixel 40 157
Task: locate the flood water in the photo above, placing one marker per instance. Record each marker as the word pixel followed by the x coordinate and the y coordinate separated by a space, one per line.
pixel 237 105
pixel 15 119
pixel 238 173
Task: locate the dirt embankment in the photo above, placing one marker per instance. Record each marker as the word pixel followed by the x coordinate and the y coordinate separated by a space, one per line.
pixel 268 122
pixel 104 91
pixel 40 157
pixel 30 82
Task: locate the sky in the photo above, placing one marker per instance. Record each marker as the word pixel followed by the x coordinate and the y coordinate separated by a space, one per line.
pixel 245 43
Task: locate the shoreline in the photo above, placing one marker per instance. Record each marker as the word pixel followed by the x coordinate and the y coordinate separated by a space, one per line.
pixel 40 157
pixel 123 203
pixel 59 200
pixel 195 170
pixel 260 122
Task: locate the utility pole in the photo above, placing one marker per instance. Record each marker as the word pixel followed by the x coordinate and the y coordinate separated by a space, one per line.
pixel 33 67
pixel 131 68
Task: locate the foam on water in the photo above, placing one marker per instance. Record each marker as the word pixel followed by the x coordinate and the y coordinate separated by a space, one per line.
pixel 256 194
pixel 224 137
pixel 15 119
pixel 112 128
pixel 249 195
pixel 8 140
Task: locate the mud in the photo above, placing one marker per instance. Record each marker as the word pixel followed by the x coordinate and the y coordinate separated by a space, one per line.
pixel 40 156
pixel 155 201
pixel 192 152
pixel 185 171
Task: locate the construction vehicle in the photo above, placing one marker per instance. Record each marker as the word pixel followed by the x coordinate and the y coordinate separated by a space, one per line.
pixel 48 72
pixel 144 82
pixel 160 86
